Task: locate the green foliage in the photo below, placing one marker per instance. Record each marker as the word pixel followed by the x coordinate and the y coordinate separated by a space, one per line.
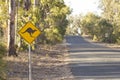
pixel 111 12
pixel 50 17
pixel 47 15
pixel 118 40
pixel 3 11
pixel 104 28
pixel 97 27
pixel 89 24
pixel 3 20
pixel 1 32
pixel 2 62
pixel 2 50
pixel 53 36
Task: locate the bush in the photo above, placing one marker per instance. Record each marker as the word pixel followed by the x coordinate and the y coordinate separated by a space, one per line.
pixel 118 41
pixel 2 50
pixel 2 62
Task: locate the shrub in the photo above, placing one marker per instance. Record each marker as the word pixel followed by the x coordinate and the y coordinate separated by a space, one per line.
pixel 2 62
pixel 2 50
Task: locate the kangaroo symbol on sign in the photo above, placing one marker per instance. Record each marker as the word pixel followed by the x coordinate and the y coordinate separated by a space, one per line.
pixel 30 31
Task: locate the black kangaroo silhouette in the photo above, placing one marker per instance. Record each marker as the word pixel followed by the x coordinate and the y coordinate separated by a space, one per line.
pixel 30 31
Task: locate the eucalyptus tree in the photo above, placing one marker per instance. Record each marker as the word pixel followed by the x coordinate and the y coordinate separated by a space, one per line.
pixel 51 17
pixel 13 7
pixel 12 12
pixel 89 22
pixel 97 27
pixel 111 12
pixel 105 30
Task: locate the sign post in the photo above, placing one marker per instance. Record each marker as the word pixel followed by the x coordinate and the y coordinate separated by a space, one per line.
pixel 30 69
pixel 29 33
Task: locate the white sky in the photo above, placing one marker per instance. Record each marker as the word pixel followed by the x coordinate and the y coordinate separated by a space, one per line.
pixel 83 6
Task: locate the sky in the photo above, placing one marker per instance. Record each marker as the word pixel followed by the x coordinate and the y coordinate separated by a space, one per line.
pixel 83 6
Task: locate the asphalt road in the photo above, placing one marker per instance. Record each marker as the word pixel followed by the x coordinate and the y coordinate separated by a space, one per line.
pixel 92 61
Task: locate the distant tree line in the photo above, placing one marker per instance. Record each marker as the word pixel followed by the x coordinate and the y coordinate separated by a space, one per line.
pixel 104 28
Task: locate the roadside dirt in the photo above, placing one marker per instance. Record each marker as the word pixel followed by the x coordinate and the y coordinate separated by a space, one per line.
pixel 48 63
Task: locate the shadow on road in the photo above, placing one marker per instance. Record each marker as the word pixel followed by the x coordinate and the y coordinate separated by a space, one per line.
pixel 89 60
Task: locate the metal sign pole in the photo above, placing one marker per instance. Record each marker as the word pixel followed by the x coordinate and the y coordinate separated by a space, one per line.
pixel 30 72
pixel 31 30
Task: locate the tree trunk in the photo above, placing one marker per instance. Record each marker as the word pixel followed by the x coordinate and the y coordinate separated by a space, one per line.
pixel 12 49
pixel 27 4
pixel 36 3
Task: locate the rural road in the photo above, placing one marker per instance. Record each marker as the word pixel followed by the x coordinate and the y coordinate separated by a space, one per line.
pixel 92 61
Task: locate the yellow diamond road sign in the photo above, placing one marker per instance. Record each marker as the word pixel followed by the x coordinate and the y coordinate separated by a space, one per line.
pixel 29 32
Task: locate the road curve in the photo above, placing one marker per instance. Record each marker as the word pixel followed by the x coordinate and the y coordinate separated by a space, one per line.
pixel 92 61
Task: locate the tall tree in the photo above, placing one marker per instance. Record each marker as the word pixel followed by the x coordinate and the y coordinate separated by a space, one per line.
pixel 111 12
pixel 12 10
pixel 51 16
pixel 88 23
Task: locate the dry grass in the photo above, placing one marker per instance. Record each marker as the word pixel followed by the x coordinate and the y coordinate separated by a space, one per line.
pixel 48 63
